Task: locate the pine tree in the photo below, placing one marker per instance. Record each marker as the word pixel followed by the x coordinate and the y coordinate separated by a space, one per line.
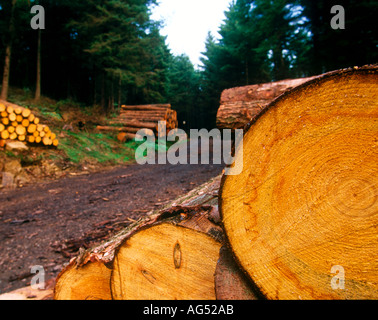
pixel 334 49
pixel 119 46
pixel 182 92
pixel 8 52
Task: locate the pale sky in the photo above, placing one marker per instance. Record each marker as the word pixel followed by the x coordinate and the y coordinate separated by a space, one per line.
pixel 187 23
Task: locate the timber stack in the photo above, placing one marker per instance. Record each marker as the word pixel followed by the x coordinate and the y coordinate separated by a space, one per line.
pixel 142 117
pixel 239 105
pixel 18 123
pixel 299 221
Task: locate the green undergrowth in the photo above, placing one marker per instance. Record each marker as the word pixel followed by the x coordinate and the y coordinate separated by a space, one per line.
pixel 96 147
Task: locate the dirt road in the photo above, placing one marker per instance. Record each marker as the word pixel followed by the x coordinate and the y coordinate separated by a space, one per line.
pixel 45 224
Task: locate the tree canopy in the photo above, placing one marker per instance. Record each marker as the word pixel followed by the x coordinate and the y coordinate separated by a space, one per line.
pixel 110 52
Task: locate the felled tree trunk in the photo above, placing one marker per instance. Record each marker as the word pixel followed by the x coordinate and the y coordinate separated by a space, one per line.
pixel 230 281
pixel 301 218
pixel 177 252
pixel 239 105
pixel 170 254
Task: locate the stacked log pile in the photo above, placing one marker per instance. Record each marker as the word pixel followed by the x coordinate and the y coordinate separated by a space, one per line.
pixel 17 123
pixel 239 105
pixel 138 117
pixel 299 221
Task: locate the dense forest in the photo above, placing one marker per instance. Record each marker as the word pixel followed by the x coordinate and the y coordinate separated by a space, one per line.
pixel 110 52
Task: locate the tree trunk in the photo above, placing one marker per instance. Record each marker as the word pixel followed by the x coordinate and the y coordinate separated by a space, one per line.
pixel 119 92
pixel 230 282
pixel 38 81
pixel 170 254
pixel 5 85
pixel 239 105
pixel 304 209
pixel 8 54
pixel 111 95
pixel 103 80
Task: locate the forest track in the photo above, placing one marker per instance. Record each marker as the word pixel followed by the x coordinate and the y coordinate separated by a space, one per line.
pixel 46 223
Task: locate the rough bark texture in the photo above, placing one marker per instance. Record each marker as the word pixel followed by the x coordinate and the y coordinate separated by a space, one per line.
pixel 8 54
pixel 239 105
pixel 156 107
pixel 304 209
pixel 37 96
pixel 230 282
pixel 6 72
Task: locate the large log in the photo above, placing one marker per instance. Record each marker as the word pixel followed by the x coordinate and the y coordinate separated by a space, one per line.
pixel 136 124
pixel 230 282
pixel 123 136
pixel 118 129
pixel 161 113
pixel 141 117
pixel 304 209
pixel 239 105
pixel 156 107
pixel 170 254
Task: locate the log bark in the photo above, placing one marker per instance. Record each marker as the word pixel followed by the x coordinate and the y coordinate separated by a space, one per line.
pixel 136 124
pixel 8 54
pixel 239 105
pixel 118 129
pixel 171 253
pixel 156 107
pixel 140 117
pixel 159 113
pixel 230 282
pixel 37 95
pixel 304 208
pixel 123 137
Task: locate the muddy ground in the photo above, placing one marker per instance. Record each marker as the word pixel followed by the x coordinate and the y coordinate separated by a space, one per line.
pixel 46 223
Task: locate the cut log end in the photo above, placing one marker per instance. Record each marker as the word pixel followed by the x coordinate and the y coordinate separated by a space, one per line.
pixel 306 200
pixel 171 254
pixel 166 262
pixel 91 282
pixel 18 123
pixel 161 262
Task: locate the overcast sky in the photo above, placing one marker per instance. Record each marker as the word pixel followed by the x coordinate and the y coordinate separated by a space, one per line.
pixel 187 22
